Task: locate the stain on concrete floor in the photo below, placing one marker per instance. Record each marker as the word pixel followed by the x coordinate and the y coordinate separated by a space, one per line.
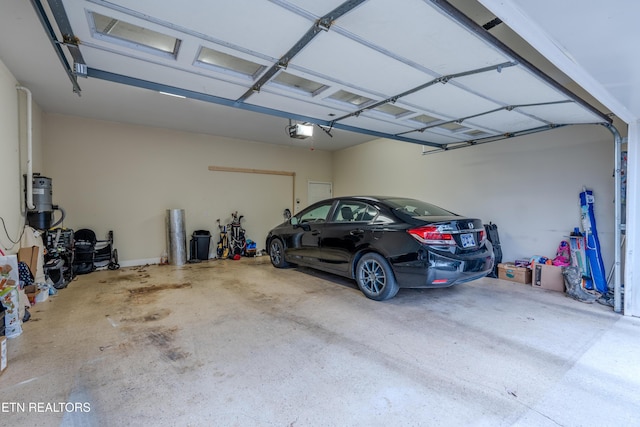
pixel 241 343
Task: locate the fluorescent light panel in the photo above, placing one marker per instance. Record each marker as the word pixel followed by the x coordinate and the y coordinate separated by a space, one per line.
pixel 217 59
pixel 393 110
pixel 350 98
pixel 298 83
pixel 134 35
pixel 424 119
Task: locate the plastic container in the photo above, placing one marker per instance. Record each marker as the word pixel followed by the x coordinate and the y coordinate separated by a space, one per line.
pixel 200 242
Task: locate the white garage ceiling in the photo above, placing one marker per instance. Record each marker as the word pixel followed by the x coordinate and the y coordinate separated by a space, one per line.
pixel 592 42
pixel 415 70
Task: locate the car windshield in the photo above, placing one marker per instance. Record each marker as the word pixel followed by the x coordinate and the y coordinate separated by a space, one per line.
pixel 414 207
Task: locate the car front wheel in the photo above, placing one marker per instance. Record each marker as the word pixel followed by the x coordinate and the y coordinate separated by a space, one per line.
pixel 375 277
pixel 276 253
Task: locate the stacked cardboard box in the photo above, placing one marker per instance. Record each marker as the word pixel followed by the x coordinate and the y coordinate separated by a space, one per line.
pixel 547 277
pixel 508 271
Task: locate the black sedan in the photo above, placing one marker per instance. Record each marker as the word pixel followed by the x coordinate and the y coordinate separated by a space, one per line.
pixel 384 243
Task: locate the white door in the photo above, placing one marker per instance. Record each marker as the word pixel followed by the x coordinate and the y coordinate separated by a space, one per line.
pixel 319 191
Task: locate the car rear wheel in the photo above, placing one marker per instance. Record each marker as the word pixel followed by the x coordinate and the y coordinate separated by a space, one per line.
pixel 375 277
pixel 276 253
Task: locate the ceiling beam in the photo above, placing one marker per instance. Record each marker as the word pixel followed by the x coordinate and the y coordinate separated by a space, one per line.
pixel 322 24
pixel 493 138
pixel 158 87
pixel 57 45
pixel 68 38
pixel 441 79
pixel 484 113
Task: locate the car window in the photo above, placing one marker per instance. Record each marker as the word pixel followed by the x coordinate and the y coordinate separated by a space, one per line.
pixel 384 219
pixel 317 214
pixel 349 211
pixel 413 207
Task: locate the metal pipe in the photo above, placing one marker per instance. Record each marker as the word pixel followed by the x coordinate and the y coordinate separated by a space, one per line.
pixel 176 237
pixel 441 79
pixel 617 241
pixel 484 113
pixel 494 138
pixel 29 183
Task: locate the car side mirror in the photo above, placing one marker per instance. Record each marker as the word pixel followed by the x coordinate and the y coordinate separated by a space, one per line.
pixel 295 223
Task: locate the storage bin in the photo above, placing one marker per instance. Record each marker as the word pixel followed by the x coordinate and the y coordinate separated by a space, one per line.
pixel 200 242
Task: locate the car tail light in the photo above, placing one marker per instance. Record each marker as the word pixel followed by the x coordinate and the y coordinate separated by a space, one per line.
pixel 431 235
pixel 481 237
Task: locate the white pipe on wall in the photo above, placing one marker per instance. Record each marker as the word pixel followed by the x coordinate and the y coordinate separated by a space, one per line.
pixel 29 183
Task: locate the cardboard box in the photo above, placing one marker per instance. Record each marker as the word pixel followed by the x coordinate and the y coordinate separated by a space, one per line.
pixel 508 271
pixel 548 277
pixel 3 354
pixel 31 291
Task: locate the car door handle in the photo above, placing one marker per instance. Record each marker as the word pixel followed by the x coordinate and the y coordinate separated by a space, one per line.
pixel 357 232
pixel 315 232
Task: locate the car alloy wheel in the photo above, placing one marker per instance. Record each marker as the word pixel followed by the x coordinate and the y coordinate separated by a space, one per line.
pixel 276 253
pixel 375 278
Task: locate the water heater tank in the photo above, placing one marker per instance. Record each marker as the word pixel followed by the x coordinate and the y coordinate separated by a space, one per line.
pixel 42 194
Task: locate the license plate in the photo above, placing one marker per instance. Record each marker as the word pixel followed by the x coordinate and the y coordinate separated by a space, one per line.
pixel 467 240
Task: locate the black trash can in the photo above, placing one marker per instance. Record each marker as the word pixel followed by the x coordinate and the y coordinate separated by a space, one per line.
pixel 200 241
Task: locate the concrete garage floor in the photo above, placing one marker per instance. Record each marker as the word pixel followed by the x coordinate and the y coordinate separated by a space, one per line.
pixel 239 343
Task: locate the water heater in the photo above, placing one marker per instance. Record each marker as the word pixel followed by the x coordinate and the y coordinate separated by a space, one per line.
pixel 41 215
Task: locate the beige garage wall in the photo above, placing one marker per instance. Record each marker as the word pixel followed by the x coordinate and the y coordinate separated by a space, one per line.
pixel 528 186
pixel 113 176
pixel 13 153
